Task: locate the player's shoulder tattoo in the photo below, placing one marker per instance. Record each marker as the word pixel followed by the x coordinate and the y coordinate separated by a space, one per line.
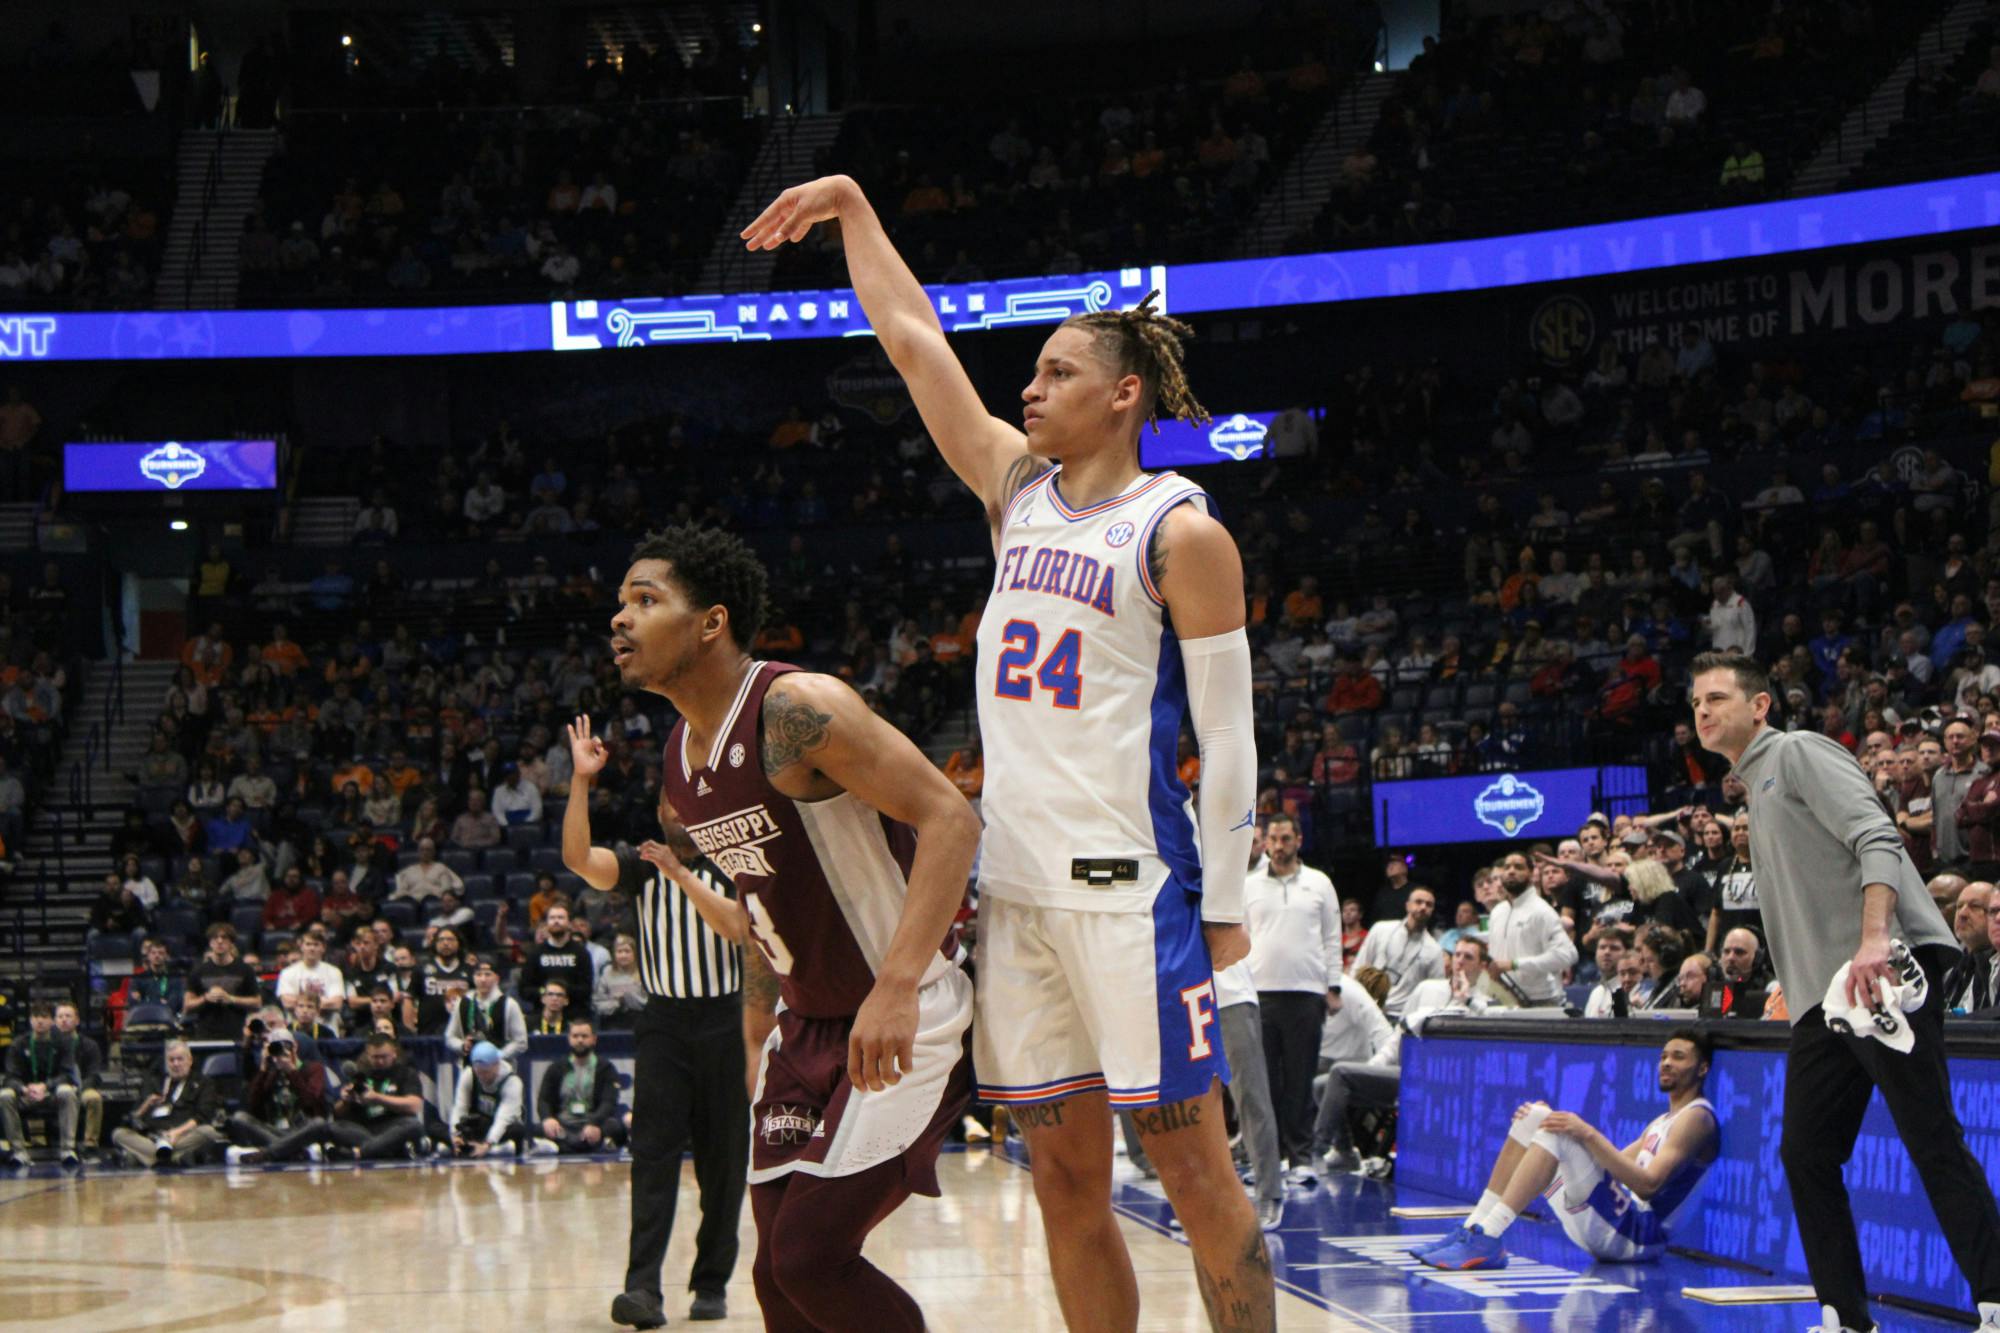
pixel 793 728
pixel 1156 555
pixel 1020 473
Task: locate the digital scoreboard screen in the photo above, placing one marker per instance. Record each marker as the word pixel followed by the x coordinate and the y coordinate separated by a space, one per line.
pixel 171 465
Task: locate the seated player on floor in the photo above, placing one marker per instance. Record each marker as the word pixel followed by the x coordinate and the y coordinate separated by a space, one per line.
pixel 1620 1204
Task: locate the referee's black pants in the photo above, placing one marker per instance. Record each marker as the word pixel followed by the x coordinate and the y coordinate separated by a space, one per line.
pixel 1828 1080
pixel 1292 1022
pixel 687 1088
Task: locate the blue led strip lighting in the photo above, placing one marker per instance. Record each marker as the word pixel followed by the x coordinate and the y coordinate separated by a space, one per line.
pixel 1787 227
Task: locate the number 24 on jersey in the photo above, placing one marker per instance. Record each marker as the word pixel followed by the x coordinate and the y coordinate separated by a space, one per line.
pixel 1060 672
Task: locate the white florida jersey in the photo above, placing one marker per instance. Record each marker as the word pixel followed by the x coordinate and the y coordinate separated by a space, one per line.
pixel 1081 701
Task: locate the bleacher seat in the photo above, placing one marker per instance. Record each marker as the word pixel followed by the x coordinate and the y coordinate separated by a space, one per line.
pixel 248 918
pixel 521 885
pixel 497 860
pixel 1480 694
pixel 461 862
pixel 177 924
pixel 398 912
pixel 524 837
pixel 1441 698
pixel 220 1065
pixel 1578 996
pixel 547 859
pixel 1520 693
pixel 485 914
pixel 156 1016
pixel 478 888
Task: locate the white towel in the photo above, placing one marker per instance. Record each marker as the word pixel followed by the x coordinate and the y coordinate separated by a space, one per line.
pixel 1883 1019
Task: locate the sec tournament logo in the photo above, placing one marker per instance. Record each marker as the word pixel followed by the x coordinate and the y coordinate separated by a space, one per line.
pixel 1239 438
pixel 1509 805
pixel 1562 330
pixel 172 465
pixel 1119 533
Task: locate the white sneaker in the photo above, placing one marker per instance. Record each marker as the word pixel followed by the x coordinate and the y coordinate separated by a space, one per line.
pixel 1829 1322
pixel 1989 1316
pixel 234 1155
pixel 544 1148
pixel 315 1153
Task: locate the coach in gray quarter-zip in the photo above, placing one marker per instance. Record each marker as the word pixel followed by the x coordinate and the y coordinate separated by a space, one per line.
pixel 1838 888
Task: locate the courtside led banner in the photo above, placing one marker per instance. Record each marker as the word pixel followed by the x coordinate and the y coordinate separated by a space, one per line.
pixel 1532 806
pixel 1749 231
pixel 172 465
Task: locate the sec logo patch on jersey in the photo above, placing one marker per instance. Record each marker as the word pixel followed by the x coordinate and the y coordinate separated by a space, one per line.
pixel 1119 534
pixel 736 755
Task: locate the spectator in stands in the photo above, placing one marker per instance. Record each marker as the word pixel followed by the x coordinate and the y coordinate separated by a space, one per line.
pixel 551 1018
pixel 247 882
pixel 1968 986
pixel 618 994
pixel 475 829
pixel 1950 785
pixel 445 976
pixel 486 1112
pixel 1404 950
pixel 253 787
pixel 229 830
pixel 312 1021
pixel 363 968
pixel 1354 689
pixel 313 975
pixel 221 988
pixel 558 955
pixel 293 904
pixel 1531 952
pixel 287 1093
pixel 117 911
pixel 89 1078
pixel 41 1081
pixel 487 1014
pixel 1732 623
pixel 379 1114
pixel 1629 979
pixel 157 981
pixel 426 877
pixel 577 1102
pixel 1602 966
pixel 176 1122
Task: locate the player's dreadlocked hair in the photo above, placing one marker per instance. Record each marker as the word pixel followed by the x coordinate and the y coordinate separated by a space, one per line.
pixel 714 568
pixel 1146 343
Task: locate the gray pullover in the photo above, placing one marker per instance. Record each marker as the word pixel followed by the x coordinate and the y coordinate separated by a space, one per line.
pixel 1948 789
pixel 1818 835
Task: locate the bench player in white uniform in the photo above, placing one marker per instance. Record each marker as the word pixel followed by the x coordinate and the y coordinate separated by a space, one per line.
pixel 1620 1204
pixel 1116 612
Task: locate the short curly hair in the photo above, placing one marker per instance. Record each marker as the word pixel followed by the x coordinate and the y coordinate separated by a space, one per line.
pixel 713 568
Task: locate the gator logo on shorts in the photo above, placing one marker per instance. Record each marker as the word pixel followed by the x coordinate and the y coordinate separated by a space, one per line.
pixel 735 842
pixel 789 1124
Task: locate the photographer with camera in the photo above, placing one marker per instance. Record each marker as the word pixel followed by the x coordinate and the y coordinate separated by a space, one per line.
pixel 379 1114
pixel 286 1094
pixel 176 1123
pixel 487 1110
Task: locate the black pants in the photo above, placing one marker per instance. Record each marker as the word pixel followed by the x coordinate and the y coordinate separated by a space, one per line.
pixel 687 1088
pixel 1828 1080
pixel 1292 1023
pixel 372 1141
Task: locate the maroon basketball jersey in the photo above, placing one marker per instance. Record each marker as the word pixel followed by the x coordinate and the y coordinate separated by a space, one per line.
pixel 824 881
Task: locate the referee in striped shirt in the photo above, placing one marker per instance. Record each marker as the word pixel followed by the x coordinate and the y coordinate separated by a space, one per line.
pixel 688 1080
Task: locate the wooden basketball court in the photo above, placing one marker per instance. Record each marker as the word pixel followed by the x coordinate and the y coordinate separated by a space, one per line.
pixel 500 1246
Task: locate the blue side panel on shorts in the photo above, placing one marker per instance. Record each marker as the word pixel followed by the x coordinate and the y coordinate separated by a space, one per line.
pixel 1181 965
pixel 1615 1204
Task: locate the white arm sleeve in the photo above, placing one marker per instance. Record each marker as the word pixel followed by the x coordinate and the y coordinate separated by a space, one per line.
pixel 1218 680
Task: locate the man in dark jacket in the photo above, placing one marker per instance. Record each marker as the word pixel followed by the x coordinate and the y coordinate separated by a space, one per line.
pixel 41 1081
pixel 578 1098
pixel 89 1078
pixel 285 1094
pixel 176 1122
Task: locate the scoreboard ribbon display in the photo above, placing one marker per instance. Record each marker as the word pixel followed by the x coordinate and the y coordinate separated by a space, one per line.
pixel 171 465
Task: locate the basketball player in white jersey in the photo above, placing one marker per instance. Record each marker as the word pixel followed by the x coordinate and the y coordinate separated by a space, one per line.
pixel 1117 611
pixel 1619 1204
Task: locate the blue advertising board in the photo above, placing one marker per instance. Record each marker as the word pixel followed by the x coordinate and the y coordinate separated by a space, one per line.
pixel 1634 245
pixel 1234 437
pixel 1486 807
pixel 1459 1096
pixel 172 465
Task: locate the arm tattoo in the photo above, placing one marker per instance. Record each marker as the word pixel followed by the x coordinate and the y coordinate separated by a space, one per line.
pixel 1156 556
pixel 1019 473
pixel 760 983
pixel 792 730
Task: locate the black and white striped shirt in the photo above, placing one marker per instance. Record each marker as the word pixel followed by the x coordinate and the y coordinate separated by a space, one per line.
pixel 680 956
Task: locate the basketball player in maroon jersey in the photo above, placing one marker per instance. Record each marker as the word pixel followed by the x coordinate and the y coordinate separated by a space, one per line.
pixel 850 852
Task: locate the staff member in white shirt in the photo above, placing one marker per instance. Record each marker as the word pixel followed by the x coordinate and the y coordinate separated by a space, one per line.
pixel 1530 949
pixel 1293 916
pixel 1405 949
